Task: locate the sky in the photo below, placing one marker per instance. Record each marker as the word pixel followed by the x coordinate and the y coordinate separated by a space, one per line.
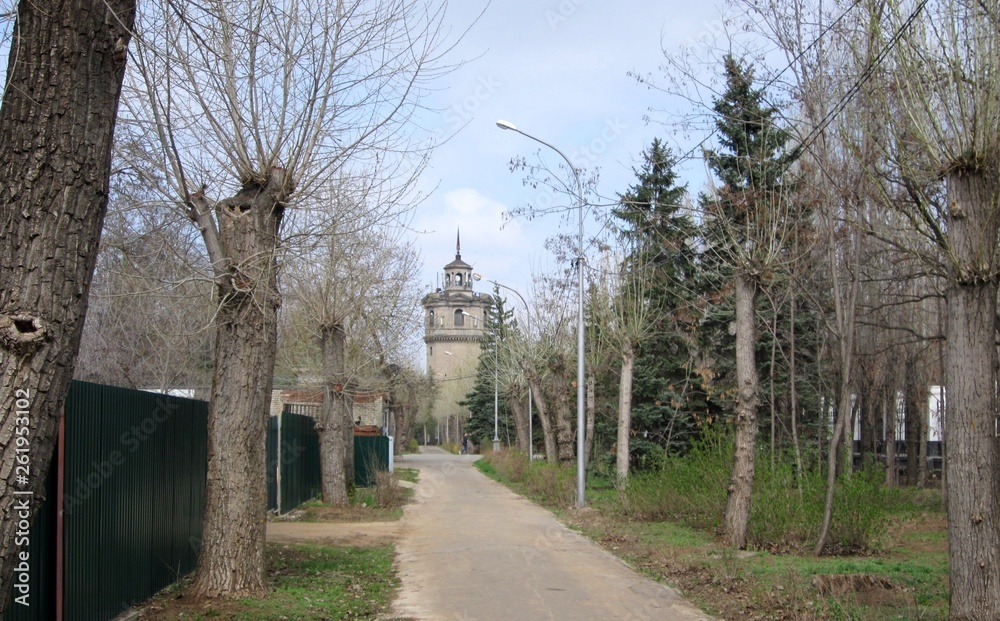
pixel 558 70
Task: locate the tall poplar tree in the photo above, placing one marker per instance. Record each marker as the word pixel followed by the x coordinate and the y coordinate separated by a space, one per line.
pixel 746 220
pixel 60 101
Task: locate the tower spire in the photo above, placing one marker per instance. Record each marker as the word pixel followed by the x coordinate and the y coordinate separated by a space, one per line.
pixel 458 243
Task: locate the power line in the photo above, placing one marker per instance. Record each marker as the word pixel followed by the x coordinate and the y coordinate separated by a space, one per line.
pixel 862 79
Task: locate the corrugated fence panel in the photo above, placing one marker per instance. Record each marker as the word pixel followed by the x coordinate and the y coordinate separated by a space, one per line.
pixel 300 471
pixel 135 470
pixel 272 463
pixel 371 455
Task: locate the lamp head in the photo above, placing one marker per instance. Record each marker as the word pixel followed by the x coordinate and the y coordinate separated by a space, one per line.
pixel 502 124
pixel 477 276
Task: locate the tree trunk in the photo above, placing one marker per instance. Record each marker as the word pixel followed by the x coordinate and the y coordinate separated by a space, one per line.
pixel 624 415
pixel 65 66
pixel 891 463
pixel 845 306
pixel 793 393
pixel 771 401
pixel 518 404
pixel 737 514
pixel 916 403
pixel 548 426
pixel 565 437
pixel 347 403
pixel 833 458
pixel 335 417
pixel 973 453
pixel 404 426
pixel 868 446
pixel 232 555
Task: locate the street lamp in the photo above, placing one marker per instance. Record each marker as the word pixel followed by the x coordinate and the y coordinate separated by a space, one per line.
pixel 581 467
pixel 527 318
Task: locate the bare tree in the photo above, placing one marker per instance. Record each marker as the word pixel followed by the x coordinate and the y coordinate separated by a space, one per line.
pixel 353 295
pixel 150 313
pixel 545 361
pixel 260 104
pixel 948 87
pixel 60 97
pixel 626 315
pixel 749 222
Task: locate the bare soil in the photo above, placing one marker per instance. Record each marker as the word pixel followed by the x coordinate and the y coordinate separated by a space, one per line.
pixel 353 534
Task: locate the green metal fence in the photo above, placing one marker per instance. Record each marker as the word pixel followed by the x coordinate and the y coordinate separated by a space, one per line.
pixel 133 478
pixel 371 455
pixel 293 461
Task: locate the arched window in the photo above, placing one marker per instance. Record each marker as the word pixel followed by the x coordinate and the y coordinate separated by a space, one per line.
pixel 458 280
pixel 459 318
pixel 447 280
pixel 430 319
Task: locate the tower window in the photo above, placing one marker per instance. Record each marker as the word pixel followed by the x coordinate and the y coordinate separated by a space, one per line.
pixel 458 280
pixel 459 318
pixel 430 320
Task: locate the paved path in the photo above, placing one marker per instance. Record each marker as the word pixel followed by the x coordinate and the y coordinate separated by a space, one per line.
pixel 470 549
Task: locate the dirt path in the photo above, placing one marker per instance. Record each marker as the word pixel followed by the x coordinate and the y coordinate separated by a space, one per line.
pixel 471 549
pixel 359 534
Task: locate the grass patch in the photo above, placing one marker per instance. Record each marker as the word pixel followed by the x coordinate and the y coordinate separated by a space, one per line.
pixel 890 545
pixel 549 484
pixel 304 582
pixel 382 502
pixel 410 475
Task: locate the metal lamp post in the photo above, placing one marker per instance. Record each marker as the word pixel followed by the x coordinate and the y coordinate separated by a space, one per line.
pixel 527 317
pixel 581 467
pixel 496 396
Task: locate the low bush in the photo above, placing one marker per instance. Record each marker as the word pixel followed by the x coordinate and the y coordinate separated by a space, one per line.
pixel 861 510
pixel 785 513
pixel 783 517
pixel 690 488
pixel 388 492
pixel 552 483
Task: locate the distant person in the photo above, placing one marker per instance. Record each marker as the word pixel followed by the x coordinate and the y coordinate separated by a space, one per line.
pixel 465 444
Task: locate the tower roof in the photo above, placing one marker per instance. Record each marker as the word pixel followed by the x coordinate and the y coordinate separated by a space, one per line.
pixel 458 262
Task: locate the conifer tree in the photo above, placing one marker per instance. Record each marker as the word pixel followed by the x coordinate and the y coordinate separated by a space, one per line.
pixel 661 235
pixel 498 324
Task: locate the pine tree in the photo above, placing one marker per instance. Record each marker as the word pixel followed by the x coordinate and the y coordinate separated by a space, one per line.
pixel 498 324
pixel 666 393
